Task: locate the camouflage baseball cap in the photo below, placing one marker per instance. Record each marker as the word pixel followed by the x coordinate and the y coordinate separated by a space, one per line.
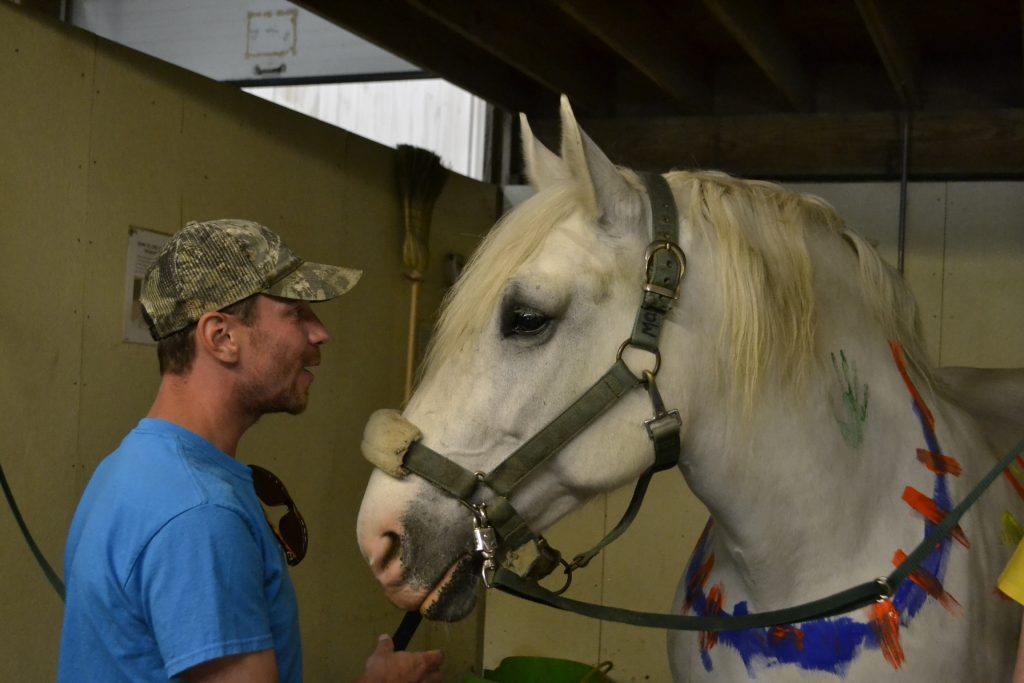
pixel 209 265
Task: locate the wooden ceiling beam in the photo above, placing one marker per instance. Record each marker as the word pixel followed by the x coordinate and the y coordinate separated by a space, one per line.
pixel 955 145
pixel 417 38
pixel 895 44
pixel 760 36
pixel 549 57
pixel 639 36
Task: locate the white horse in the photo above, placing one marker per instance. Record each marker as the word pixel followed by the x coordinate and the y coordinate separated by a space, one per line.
pixel 813 429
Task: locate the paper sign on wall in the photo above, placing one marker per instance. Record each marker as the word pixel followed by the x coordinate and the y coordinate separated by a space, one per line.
pixel 143 246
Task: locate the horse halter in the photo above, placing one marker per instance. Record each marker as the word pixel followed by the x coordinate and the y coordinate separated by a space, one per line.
pixel 498 528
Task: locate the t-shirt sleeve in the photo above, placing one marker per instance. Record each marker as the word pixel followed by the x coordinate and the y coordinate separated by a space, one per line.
pixel 1012 581
pixel 201 585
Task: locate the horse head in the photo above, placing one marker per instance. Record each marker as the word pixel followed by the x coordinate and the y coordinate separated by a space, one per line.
pixel 538 315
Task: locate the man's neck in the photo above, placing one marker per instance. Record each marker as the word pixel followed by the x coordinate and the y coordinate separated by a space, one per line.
pixel 203 408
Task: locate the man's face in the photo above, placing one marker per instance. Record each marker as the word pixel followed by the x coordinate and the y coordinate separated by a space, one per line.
pixel 282 344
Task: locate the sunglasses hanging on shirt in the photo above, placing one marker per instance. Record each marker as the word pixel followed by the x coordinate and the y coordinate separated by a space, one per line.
pixel 290 530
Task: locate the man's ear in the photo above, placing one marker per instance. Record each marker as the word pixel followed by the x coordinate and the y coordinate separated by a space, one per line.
pixel 217 337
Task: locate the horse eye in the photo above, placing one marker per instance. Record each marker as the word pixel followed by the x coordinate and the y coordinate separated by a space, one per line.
pixel 522 321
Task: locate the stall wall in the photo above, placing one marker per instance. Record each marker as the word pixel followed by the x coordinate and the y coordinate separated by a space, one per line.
pixel 96 138
pixel 964 260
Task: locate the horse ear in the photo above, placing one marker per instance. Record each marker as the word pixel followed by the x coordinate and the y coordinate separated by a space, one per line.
pixel 543 167
pixel 604 187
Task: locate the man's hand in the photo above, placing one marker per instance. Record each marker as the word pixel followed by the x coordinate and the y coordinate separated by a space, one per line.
pixel 387 666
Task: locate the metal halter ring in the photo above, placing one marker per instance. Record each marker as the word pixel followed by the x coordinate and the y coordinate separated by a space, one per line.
pixel 886 589
pixel 656 352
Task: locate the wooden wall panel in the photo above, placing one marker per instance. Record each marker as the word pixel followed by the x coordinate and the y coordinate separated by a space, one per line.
pixel 45 141
pixel 983 309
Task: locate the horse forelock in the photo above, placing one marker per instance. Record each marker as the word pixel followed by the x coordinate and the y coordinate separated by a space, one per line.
pixel 513 241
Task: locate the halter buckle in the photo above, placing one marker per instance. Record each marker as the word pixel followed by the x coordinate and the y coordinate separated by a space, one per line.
pixel 680 260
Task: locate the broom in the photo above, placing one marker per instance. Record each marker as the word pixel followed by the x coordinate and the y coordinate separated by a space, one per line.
pixel 420 178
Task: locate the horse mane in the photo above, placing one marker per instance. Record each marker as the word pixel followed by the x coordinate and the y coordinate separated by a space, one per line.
pixel 765 272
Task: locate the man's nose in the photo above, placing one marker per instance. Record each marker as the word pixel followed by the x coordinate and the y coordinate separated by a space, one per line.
pixel 317 332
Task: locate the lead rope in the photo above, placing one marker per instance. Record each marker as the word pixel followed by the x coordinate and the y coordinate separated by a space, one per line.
pixel 51 575
pixel 864 594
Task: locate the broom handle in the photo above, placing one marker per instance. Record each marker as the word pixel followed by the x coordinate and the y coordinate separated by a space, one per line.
pixel 410 351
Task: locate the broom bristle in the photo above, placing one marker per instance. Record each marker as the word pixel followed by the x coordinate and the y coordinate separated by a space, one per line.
pixel 420 177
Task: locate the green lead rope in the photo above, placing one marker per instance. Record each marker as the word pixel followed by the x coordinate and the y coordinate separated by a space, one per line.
pixel 838 603
pixel 51 575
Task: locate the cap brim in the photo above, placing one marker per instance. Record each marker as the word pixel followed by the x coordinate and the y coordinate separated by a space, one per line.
pixel 315 282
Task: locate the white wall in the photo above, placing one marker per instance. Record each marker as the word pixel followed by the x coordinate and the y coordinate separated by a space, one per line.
pixel 227 40
pixel 428 113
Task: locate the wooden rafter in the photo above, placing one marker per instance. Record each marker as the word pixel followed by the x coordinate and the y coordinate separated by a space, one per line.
pixel 417 38
pixel 640 38
pixel 550 57
pixel 894 41
pixel 759 35
pixel 960 144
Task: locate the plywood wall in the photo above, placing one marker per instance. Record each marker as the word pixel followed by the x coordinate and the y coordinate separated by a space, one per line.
pixel 964 260
pixel 95 138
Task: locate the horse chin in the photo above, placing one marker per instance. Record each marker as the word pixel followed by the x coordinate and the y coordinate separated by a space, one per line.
pixel 454 596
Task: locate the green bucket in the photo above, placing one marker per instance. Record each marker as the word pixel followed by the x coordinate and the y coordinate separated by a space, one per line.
pixel 543 670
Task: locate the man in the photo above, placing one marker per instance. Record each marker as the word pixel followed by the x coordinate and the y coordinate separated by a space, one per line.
pixel 173 571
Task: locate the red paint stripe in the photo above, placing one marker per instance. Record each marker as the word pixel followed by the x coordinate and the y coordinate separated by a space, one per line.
pixel 1013 482
pixel 939 463
pixel 885 622
pixel 901 363
pixel 931 585
pixel 708 639
pixel 927 507
pixel 698 581
pixel 780 634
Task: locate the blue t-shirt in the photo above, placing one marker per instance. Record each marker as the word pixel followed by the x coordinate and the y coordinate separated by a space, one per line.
pixel 170 563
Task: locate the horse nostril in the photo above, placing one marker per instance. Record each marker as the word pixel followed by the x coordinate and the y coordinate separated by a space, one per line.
pixel 392 549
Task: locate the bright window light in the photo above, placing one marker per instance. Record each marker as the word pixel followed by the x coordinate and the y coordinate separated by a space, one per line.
pixel 428 113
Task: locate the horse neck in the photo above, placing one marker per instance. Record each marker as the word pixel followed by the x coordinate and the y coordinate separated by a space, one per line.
pixel 808 492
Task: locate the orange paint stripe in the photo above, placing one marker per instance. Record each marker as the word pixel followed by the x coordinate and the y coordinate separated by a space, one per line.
pixel 708 639
pixel 1013 482
pixel 697 582
pixel 885 622
pixel 939 463
pixel 901 363
pixel 931 585
pixel 927 507
pixel 781 634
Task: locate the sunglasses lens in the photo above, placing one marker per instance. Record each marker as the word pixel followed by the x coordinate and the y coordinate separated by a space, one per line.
pixel 293 531
pixel 268 487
